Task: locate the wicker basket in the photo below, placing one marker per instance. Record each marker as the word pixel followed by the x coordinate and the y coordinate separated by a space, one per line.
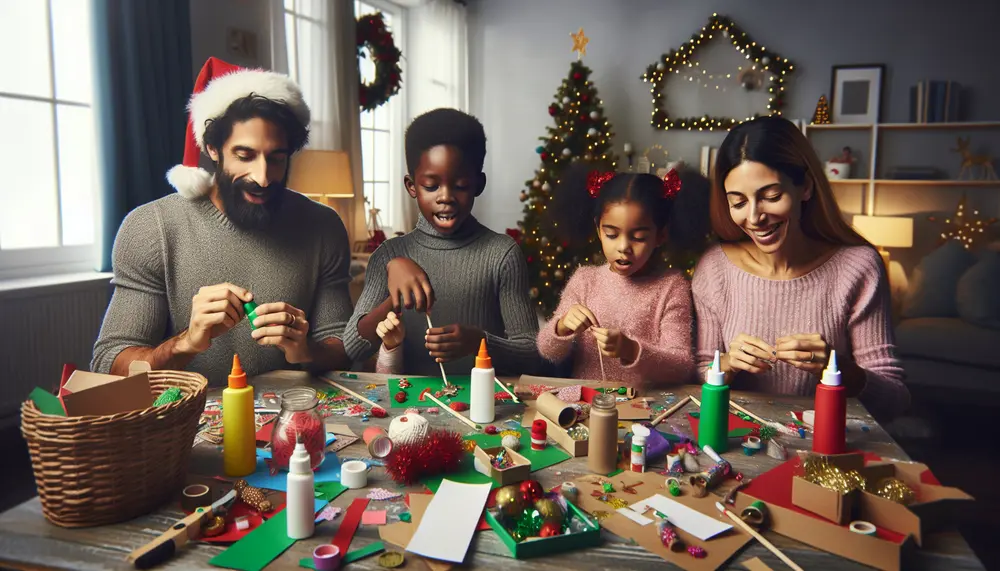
pixel 96 470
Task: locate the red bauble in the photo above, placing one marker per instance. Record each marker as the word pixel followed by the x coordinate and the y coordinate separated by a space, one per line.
pixel 400 397
pixel 577 76
pixel 550 529
pixel 440 452
pixel 531 491
pixel 584 117
pixel 530 259
pixel 584 98
pixel 544 156
pixel 553 109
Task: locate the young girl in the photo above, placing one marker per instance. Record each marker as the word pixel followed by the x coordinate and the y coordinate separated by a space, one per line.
pixel 628 320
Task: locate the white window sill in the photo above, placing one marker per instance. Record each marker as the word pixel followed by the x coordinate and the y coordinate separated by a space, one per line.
pixel 27 287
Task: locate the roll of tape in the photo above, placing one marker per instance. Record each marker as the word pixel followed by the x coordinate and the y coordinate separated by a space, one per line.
pixel 752 442
pixel 242 523
pixel 326 557
pixel 354 474
pixel 862 527
pixel 195 496
pixel 569 491
pixel 755 513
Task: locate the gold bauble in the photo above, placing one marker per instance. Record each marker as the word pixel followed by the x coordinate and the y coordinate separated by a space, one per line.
pixel 550 510
pixel 509 501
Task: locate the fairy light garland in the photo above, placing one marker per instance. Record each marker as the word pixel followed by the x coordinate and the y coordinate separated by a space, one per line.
pixel 672 62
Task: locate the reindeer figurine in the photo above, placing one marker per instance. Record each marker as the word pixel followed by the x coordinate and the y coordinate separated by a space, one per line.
pixel 970 161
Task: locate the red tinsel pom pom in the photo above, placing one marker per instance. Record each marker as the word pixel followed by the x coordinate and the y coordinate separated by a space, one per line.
pixel 379 412
pixel 440 452
pixel 459 406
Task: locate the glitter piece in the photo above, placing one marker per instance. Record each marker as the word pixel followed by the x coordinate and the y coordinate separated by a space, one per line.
pixel 382 494
pixel 697 552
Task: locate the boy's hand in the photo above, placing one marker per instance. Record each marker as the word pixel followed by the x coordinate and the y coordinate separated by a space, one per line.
pixel 452 342
pixel 409 286
pixel 391 331
pixel 577 319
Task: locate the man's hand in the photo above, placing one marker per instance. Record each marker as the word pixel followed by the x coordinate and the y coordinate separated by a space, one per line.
pixel 214 310
pixel 285 327
pixel 409 286
pixel 391 331
pixel 452 342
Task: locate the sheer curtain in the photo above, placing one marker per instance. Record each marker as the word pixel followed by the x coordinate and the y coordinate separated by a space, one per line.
pixel 314 42
pixel 437 65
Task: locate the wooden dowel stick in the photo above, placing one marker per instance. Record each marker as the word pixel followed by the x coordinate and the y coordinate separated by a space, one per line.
pixel 444 377
pixel 775 425
pixel 671 411
pixel 506 390
pixel 350 392
pixel 452 411
pixel 758 537
pixel 748 413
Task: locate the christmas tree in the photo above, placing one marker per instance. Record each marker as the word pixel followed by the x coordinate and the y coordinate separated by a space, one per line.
pixel 822 114
pixel 581 133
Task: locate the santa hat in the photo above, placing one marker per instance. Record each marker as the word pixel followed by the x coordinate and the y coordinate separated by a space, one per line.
pixel 219 84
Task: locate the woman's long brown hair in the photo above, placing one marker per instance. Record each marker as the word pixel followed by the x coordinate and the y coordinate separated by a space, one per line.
pixel 778 144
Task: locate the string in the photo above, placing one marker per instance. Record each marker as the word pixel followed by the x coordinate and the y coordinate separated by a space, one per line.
pixel 601 357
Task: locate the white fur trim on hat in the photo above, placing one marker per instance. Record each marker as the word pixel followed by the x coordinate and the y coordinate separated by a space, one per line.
pixel 220 93
pixel 190 182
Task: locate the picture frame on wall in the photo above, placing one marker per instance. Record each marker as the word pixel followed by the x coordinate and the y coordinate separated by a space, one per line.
pixel 856 93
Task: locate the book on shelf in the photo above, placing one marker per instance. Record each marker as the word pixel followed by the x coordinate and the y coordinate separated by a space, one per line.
pixel 934 101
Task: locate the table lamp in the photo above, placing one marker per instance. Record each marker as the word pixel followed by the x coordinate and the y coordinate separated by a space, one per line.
pixel 885 232
pixel 321 175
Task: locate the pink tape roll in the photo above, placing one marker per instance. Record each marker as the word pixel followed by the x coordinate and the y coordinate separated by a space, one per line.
pixel 326 557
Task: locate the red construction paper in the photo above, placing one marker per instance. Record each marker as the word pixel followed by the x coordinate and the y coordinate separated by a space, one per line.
pixel 232 534
pixel 349 525
pixel 490 502
pixel 264 434
pixel 587 394
pixel 775 487
pixel 735 423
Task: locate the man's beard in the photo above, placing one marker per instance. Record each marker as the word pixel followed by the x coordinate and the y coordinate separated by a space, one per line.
pixel 245 214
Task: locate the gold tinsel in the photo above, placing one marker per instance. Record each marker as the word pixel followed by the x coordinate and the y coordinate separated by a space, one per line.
pixel 601 515
pixel 895 490
pixel 818 470
pixel 617 503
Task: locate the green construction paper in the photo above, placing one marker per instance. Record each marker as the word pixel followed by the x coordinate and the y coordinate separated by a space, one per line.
pixel 329 490
pixel 258 548
pixel 46 402
pixel 615 473
pixel 351 557
pixel 418 384
pixel 405 516
pixel 539 459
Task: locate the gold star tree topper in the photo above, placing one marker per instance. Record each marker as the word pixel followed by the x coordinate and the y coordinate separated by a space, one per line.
pixel 963 227
pixel 579 44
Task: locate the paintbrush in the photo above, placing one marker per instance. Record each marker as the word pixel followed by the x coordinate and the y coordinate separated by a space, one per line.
pixel 163 547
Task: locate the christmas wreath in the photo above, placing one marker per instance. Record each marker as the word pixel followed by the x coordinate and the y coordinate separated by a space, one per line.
pixel 373 34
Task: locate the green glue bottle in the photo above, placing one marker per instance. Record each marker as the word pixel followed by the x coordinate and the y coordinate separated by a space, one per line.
pixel 713 422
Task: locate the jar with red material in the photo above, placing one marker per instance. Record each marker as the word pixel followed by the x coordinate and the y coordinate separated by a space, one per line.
pixel 299 415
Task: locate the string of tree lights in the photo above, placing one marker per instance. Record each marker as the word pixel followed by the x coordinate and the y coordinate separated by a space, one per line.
pixel 770 63
pixel 581 133
pixel 963 227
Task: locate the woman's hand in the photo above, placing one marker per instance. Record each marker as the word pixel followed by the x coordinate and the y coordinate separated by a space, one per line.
pixel 747 353
pixel 577 319
pixel 805 351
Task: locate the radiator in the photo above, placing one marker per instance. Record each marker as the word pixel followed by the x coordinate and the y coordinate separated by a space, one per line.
pixel 44 327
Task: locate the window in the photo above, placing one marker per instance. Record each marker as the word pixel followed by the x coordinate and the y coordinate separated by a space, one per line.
pixel 48 200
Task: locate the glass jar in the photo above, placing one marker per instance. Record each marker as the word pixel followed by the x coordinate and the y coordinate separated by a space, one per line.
pixel 602 450
pixel 299 416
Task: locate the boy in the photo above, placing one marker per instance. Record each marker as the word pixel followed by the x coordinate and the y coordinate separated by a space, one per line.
pixel 479 277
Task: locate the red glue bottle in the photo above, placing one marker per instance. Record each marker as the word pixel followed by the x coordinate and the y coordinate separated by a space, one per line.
pixel 830 424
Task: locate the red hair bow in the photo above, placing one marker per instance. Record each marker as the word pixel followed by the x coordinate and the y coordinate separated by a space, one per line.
pixel 595 180
pixel 671 184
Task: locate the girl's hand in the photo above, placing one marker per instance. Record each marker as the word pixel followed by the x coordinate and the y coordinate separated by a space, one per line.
pixel 806 352
pixel 408 285
pixel 391 331
pixel 452 342
pixel 613 343
pixel 748 354
pixel 577 319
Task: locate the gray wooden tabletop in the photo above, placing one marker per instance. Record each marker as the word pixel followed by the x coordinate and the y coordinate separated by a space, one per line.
pixel 28 541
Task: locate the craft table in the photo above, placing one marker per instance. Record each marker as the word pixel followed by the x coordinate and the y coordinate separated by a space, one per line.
pixel 28 541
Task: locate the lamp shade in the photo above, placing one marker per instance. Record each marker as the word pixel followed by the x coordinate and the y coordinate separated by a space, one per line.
pixel 886 231
pixel 321 173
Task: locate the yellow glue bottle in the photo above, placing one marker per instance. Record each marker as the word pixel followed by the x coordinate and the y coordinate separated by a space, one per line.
pixel 239 441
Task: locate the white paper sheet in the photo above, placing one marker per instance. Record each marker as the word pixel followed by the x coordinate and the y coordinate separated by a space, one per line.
pixel 634 516
pixel 690 520
pixel 450 520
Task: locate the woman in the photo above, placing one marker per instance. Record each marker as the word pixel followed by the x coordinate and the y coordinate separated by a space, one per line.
pixel 791 280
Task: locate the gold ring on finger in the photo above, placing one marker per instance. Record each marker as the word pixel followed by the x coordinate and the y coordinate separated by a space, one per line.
pixel 743 348
pixel 291 320
pixel 812 356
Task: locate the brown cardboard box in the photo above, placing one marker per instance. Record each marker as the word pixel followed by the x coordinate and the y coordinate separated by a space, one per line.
pixel 828 503
pixel 88 393
pixel 521 470
pixel 557 433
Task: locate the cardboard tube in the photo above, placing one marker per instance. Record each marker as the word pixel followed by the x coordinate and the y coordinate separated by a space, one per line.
pixel 378 442
pixel 552 408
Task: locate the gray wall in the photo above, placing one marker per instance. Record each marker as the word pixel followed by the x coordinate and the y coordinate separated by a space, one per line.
pixel 210 20
pixel 520 51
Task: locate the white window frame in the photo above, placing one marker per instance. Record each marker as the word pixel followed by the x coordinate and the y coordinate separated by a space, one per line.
pixel 392 220
pixel 35 262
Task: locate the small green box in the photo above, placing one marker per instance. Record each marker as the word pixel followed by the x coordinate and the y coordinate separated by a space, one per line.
pixel 550 545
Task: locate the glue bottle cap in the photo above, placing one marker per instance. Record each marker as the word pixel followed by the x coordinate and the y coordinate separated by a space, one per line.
pixel 483 359
pixel 300 462
pixel 831 374
pixel 237 378
pixel 714 376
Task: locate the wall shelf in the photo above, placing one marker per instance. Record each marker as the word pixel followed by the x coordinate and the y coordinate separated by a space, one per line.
pixel 905 126
pixel 900 182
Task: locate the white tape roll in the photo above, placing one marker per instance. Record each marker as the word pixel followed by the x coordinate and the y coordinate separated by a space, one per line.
pixel 752 442
pixel 354 474
pixel 862 527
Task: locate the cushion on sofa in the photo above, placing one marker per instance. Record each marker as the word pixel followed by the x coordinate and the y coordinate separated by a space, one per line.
pixel 976 297
pixel 948 339
pixel 935 281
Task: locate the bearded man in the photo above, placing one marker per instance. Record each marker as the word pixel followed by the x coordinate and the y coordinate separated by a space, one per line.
pixel 185 264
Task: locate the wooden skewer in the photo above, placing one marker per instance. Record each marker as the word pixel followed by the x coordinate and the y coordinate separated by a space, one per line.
pixel 758 537
pixel 506 390
pixel 775 425
pixel 444 377
pixel 601 357
pixel 671 411
pixel 452 411
pixel 350 392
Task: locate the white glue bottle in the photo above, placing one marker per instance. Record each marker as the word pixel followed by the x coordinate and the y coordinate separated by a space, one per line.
pixel 301 494
pixel 481 399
